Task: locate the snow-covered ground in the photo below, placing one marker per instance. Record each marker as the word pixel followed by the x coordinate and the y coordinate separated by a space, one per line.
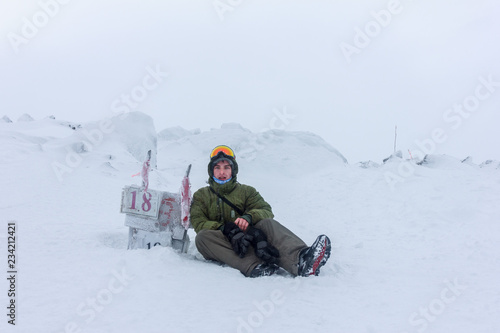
pixel 415 247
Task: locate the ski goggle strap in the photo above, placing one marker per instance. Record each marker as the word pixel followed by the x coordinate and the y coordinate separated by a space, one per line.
pixel 222 149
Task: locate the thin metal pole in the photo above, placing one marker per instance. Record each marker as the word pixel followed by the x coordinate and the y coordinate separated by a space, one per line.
pixel 395 137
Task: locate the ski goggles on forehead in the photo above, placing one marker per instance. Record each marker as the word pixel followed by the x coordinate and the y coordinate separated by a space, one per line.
pixel 222 149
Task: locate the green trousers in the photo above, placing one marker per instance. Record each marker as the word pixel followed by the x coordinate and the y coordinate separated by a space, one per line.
pixel 213 245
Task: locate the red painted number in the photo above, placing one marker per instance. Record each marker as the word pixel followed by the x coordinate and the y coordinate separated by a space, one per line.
pixel 147 202
pixel 146 198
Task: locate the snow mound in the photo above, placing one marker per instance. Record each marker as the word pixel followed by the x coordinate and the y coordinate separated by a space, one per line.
pixel 490 164
pixel 6 119
pixel 175 133
pixel 107 145
pixel 367 165
pixel 21 139
pixel 444 162
pixel 25 117
pixel 277 152
pixel 73 126
pixel 137 133
pixel 395 157
pixel 118 143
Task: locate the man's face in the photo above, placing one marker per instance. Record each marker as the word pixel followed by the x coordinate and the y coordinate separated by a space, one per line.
pixel 222 170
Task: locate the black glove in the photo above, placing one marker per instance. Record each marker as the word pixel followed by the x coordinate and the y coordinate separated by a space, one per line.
pixel 239 241
pixel 263 249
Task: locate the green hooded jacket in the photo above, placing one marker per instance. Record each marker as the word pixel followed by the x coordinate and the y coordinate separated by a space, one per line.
pixel 208 211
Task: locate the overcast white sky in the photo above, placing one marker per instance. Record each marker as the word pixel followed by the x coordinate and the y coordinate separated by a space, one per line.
pixel 262 59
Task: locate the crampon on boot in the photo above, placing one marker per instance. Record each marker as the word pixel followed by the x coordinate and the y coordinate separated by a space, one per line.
pixel 314 257
pixel 264 270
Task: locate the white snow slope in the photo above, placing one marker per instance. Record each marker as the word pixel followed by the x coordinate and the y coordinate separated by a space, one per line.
pixel 415 247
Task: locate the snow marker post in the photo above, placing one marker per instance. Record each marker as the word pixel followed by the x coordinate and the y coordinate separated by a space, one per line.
pixel 156 217
pixel 186 199
pixel 180 240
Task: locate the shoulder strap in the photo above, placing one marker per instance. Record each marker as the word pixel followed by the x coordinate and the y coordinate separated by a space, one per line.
pixel 227 201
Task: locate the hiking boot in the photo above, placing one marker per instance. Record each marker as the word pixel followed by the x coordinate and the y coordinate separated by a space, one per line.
pixel 264 270
pixel 313 258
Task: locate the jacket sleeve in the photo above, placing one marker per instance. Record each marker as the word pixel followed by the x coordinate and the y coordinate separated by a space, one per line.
pixel 199 213
pixel 256 206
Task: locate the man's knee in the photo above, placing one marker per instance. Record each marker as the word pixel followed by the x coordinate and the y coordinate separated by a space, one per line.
pixel 203 237
pixel 204 242
pixel 264 223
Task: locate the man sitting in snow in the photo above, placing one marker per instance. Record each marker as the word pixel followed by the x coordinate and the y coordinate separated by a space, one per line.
pixel 235 226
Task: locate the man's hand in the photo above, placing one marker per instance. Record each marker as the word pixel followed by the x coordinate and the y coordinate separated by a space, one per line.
pixel 241 223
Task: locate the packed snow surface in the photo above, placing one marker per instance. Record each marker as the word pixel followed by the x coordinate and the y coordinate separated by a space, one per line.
pixel 415 245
